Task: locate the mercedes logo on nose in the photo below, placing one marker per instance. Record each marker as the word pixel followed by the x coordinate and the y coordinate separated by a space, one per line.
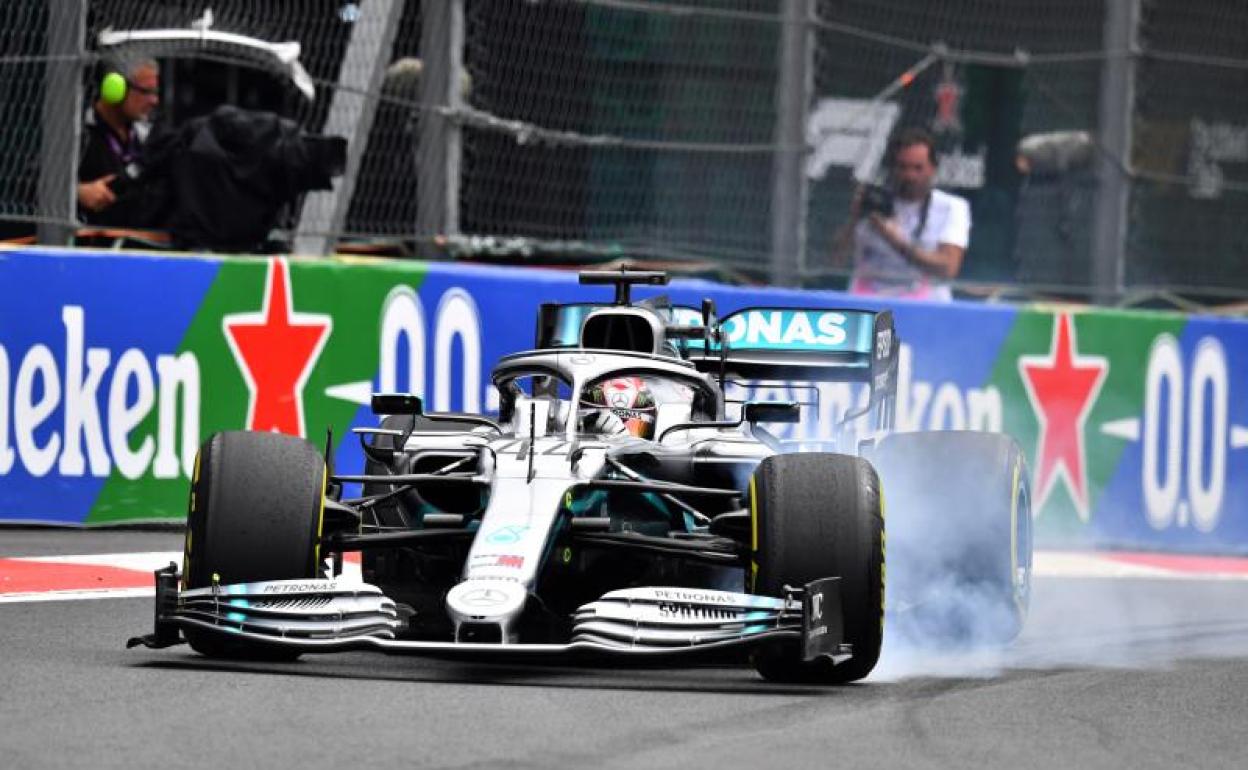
pixel 484 597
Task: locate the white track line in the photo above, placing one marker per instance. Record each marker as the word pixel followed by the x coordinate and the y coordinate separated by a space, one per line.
pixel 139 562
pixel 1090 564
pixel 64 596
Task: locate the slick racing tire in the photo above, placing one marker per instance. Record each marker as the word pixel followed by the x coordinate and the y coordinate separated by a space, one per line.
pixel 255 514
pixel 816 516
pixel 959 511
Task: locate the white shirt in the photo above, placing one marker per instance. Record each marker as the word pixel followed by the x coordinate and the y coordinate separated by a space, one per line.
pixel 880 269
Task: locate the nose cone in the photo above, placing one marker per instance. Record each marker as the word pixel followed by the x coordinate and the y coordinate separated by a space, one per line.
pixel 487 601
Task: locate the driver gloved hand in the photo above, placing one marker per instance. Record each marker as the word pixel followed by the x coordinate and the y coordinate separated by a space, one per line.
pixel 603 421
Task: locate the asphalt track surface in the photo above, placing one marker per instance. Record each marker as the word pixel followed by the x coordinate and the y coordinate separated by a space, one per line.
pixel 1109 673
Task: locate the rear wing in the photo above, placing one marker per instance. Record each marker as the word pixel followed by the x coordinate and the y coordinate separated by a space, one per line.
pixel 762 344
pixel 805 344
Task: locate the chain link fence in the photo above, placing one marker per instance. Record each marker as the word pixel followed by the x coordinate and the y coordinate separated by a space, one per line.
pixel 590 129
pixel 23 68
pixel 1189 203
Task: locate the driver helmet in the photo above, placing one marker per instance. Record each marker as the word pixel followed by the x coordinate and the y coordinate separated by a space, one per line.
pixel 629 399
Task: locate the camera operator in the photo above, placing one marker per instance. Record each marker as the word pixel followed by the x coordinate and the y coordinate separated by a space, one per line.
pixel 907 241
pixel 114 134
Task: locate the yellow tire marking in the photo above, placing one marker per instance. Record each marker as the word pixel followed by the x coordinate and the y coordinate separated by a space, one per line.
pixel 320 517
pixel 753 535
pixel 186 560
pixel 883 562
pixel 186 548
pixel 1018 466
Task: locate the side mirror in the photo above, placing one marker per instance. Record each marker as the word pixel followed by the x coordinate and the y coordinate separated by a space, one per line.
pixel 708 312
pixel 773 411
pixel 397 403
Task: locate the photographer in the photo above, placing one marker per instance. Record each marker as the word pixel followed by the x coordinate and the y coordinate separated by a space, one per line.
pixel 907 241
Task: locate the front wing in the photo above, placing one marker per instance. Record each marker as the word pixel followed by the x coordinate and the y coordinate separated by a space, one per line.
pixel 646 624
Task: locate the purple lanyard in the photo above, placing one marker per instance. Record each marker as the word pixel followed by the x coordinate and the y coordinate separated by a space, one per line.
pixel 126 154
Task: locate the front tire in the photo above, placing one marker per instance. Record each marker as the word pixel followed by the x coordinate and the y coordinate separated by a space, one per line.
pixel 961 535
pixel 255 514
pixel 817 516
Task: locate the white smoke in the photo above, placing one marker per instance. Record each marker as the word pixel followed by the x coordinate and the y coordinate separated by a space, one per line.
pixel 1094 622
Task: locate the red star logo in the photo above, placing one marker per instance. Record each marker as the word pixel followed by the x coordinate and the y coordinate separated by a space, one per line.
pixel 276 350
pixel 1062 386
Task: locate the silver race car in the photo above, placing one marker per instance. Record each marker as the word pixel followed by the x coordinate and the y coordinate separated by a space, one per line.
pixel 623 506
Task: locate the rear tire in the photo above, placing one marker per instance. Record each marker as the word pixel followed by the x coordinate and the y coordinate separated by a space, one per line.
pixel 255 514
pixel 960 533
pixel 817 516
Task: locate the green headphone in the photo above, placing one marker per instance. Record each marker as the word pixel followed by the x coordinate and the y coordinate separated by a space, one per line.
pixel 113 87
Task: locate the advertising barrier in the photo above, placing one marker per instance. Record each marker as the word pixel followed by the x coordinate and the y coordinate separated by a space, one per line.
pixel 114 368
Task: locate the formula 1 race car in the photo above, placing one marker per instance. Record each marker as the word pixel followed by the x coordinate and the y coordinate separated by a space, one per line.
pixel 622 506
